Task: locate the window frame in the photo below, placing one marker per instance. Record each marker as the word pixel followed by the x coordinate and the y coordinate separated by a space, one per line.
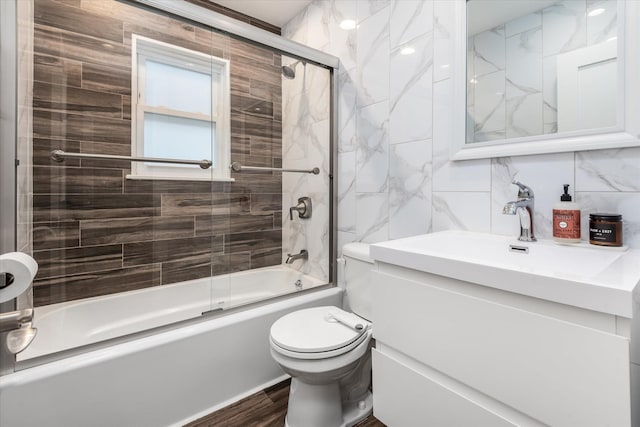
pixel 144 49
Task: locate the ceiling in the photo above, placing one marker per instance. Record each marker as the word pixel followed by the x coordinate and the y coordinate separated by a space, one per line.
pixel 276 12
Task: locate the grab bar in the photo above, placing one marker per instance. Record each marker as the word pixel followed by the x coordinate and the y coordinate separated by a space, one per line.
pixel 237 167
pixel 59 156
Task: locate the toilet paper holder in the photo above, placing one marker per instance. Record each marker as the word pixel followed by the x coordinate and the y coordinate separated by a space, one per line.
pixel 15 319
pixel 19 328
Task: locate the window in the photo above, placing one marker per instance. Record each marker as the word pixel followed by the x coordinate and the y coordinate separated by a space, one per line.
pixel 180 110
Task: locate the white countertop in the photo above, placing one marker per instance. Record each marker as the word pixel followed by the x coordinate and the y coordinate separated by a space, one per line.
pixel 587 276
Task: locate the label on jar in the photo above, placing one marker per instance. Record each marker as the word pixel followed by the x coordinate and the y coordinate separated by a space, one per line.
pixel 600 232
pixel 566 224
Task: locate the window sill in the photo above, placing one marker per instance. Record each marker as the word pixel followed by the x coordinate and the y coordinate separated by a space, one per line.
pixel 177 178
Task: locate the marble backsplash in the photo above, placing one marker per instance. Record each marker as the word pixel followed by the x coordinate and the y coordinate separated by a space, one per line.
pixel 395 176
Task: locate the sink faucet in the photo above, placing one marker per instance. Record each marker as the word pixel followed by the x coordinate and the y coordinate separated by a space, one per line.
pixel 302 255
pixel 524 206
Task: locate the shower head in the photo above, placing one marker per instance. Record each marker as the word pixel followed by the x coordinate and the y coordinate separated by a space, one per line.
pixel 289 71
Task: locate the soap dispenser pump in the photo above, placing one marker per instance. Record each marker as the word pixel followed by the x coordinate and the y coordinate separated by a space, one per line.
pixel 566 219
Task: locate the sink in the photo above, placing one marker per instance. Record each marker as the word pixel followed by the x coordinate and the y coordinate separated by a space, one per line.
pixel 582 275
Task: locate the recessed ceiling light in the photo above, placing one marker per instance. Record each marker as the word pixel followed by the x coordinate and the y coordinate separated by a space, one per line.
pixel 407 50
pixel 596 12
pixel 348 24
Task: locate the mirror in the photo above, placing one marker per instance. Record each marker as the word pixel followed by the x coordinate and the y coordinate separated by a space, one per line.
pixel 543 76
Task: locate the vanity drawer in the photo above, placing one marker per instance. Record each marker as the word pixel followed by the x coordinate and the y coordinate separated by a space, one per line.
pixel 554 371
pixel 404 397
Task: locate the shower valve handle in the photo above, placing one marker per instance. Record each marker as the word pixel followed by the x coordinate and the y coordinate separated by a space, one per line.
pixel 303 208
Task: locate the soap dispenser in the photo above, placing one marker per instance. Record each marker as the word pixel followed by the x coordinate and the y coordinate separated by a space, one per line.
pixel 566 219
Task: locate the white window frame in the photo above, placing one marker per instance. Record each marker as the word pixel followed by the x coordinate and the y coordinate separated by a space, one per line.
pixel 143 49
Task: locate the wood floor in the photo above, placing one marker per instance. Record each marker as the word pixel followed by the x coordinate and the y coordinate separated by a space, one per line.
pixel 267 408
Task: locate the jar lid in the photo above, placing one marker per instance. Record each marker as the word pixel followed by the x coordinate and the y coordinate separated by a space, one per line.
pixel 606 216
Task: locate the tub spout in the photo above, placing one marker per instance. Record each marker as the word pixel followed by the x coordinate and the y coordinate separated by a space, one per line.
pixel 302 255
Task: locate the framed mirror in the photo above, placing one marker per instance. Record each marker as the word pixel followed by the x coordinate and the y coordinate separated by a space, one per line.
pixel 545 76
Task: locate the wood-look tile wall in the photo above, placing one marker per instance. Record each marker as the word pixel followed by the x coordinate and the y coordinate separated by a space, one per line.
pixel 97 233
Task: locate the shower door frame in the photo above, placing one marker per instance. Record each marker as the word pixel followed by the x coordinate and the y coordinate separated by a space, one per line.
pixel 217 21
pixel 8 152
pixel 289 48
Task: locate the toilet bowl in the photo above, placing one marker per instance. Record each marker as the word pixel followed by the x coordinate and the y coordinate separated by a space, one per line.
pixel 327 352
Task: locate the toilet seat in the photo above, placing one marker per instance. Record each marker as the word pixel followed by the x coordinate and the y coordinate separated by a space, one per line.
pixel 314 333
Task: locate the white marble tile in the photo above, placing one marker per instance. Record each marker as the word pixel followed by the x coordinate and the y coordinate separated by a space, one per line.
pixel 411 91
pixel 318 91
pixel 347 191
pixel 523 23
pixel 461 211
pixel 372 222
pixel 544 174
pixel 564 26
pixel 316 230
pixel 468 175
pixel 296 125
pixel 342 42
pixel 443 47
pixel 524 61
pixel 409 19
pixel 410 189
pixel 318 25
pixel 296 28
pixel 372 154
pixel 625 203
pixel 602 26
pixel 608 170
pixel 488 51
pixel 347 112
pixel 489 106
pixel 373 58
pixel 367 8
pixel 550 90
pixel 524 115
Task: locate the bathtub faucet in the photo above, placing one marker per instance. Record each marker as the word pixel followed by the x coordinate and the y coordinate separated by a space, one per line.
pixel 302 255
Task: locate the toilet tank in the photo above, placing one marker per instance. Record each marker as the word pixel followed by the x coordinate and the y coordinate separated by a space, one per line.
pixel 357 279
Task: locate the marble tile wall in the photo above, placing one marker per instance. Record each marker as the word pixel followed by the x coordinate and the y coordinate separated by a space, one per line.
pixel 95 232
pixel 395 177
pixel 513 90
pixel 305 140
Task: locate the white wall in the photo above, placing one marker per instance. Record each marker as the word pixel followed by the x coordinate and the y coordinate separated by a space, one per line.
pixel 395 132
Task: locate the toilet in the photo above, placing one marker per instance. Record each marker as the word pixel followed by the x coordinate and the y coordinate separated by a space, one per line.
pixel 327 352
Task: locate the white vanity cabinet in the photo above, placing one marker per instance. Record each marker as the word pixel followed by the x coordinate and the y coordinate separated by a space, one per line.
pixel 452 352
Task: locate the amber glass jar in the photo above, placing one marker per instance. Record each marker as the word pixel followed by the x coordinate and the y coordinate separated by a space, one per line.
pixel 605 229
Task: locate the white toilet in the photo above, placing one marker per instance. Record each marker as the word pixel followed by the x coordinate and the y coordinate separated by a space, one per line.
pixel 327 352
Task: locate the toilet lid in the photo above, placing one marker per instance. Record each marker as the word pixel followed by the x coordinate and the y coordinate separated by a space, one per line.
pixel 317 329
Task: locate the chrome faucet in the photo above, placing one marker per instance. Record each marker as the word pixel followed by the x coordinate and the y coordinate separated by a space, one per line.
pixel 302 255
pixel 524 207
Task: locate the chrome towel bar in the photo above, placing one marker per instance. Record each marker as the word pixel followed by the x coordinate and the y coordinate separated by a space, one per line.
pixel 59 156
pixel 237 167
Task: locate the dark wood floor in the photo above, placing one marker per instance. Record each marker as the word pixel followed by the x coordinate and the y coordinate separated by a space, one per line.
pixel 267 408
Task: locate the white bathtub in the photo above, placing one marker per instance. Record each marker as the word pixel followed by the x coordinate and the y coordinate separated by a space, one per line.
pixel 76 323
pixel 164 379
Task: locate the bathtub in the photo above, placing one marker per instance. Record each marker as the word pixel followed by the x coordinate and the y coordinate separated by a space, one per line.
pixel 166 378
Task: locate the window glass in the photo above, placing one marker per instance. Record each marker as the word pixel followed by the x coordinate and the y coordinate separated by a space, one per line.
pixel 177 88
pixel 178 138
